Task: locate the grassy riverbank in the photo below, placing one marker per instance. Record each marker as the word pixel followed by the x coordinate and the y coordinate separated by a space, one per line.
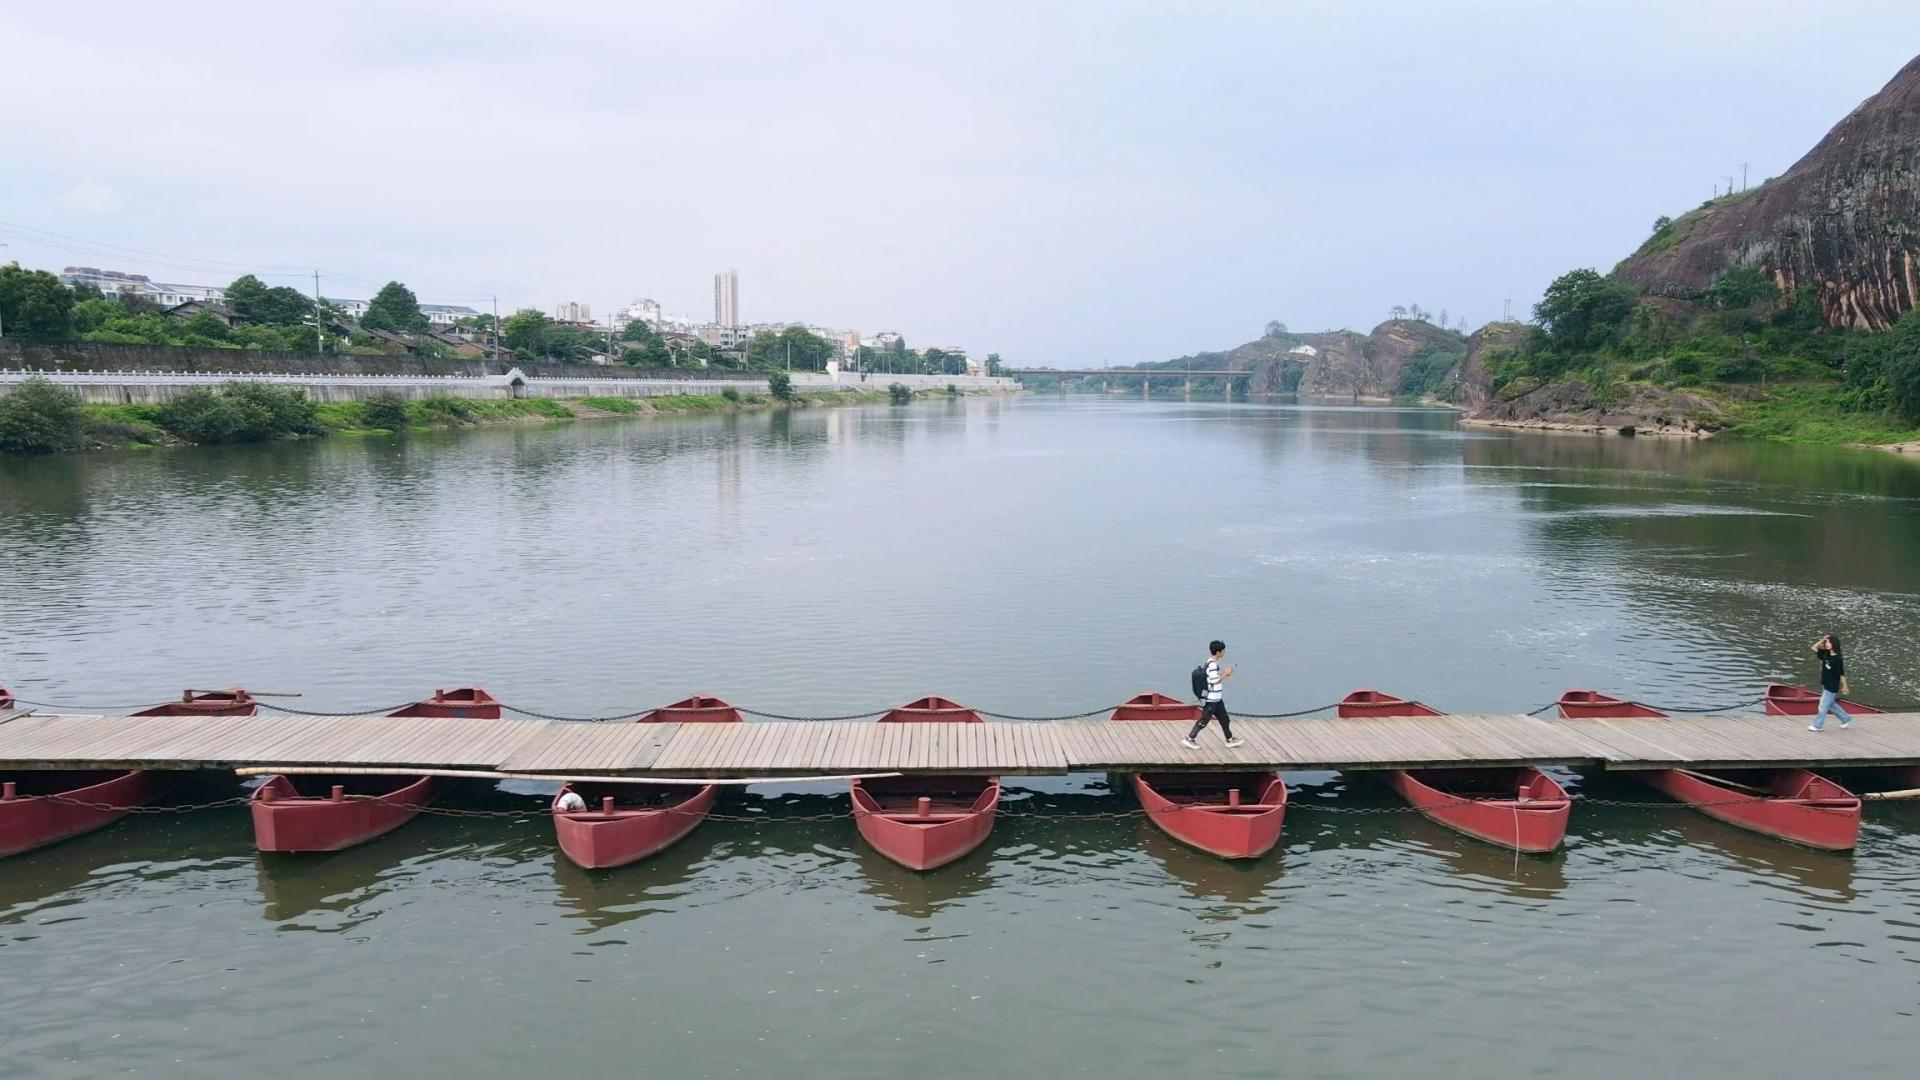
pixel 42 417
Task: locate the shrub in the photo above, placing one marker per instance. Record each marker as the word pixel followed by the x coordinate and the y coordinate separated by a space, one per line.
pixel 899 394
pixel 442 410
pixel 386 409
pixel 240 412
pixel 731 394
pixel 39 417
pixel 952 391
pixel 780 385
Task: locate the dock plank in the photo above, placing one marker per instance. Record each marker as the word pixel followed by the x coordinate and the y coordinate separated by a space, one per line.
pixel 47 741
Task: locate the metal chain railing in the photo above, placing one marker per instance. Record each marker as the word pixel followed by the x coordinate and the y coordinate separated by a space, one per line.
pixel 536 812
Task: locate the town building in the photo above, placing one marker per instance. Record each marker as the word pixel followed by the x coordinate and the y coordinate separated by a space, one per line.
pixel 726 298
pixel 572 311
pixel 115 282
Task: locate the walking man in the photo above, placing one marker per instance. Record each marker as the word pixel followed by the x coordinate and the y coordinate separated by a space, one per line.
pixel 1833 683
pixel 1212 700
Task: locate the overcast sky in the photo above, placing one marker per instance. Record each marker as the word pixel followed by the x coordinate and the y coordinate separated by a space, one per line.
pixel 1060 183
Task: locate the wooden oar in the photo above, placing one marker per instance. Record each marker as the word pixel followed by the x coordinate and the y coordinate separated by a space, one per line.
pixel 1722 781
pixel 1903 793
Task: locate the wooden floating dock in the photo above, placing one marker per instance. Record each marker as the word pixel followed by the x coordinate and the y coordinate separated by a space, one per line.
pixel 786 748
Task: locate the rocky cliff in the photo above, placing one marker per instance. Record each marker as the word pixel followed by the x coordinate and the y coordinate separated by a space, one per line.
pixel 1375 366
pixel 1474 377
pixel 1842 220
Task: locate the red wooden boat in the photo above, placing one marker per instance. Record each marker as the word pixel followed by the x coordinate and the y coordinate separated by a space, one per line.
pixel 6 699
pixel 1235 815
pixel 1520 807
pixel 1784 700
pixel 923 822
pixel 624 823
pixel 328 813
pixel 41 807
pixel 1789 804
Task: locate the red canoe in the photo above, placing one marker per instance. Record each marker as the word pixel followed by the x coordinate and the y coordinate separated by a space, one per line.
pixel 1235 815
pixel 923 822
pixel 328 813
pixel 1789 804
pixel 40 807
pixel 1520 808
pixel 1784 700
pixel 624 823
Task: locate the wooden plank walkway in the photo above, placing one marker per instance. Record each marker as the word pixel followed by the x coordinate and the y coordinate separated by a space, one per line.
pixel 788 748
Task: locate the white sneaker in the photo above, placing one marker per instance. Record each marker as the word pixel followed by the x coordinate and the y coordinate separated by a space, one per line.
pixel 1813 727
pixel 1231 743
pixel 1845 724
pixel 1189 744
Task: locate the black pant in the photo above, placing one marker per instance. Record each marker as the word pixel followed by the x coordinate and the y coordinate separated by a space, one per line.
pixel 1208 711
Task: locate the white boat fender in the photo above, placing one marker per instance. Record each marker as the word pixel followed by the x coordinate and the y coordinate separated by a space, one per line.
pixel 571 802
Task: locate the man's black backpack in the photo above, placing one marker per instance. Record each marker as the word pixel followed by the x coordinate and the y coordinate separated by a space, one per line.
pixel 1200 682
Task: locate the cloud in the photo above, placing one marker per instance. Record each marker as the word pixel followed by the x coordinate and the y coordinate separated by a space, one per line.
pixel 90 200
pixel 1059 183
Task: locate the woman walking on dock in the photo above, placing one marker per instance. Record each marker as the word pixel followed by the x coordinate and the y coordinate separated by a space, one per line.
pixel 1833 683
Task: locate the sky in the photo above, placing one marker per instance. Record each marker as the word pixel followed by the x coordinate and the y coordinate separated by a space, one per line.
pixel 1066 184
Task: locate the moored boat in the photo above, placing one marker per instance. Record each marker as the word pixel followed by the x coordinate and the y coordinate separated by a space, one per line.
pixel 40 807
pixel 1784 700
pixel 1235 815
pixel 325 812
pixel 1519 807
pixel 622 823
pixel 923 822
pixel 1789 804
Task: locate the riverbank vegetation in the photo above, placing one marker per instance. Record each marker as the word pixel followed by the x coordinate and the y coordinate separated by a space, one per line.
pixel 1770 366
pixel 43 417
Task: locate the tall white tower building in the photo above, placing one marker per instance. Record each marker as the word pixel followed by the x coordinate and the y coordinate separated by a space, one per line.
pixel 726 298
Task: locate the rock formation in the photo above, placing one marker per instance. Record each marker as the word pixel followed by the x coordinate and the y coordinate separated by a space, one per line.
pixel 1842 220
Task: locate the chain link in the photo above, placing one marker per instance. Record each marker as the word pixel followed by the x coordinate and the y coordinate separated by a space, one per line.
pixel 617 717
pixel 532 813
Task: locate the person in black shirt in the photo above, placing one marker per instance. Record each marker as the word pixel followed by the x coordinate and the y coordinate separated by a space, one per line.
pixel 1833 683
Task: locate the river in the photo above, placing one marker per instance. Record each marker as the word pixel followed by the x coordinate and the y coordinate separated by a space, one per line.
pixel 1033 556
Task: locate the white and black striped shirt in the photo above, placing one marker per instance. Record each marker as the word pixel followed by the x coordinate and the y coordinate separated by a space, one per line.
pixel 1213 680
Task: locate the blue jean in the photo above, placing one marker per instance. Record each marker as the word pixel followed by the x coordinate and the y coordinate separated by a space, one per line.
pixel 1830 703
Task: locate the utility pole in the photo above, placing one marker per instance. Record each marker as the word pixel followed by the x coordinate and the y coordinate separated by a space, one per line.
pixel 496 329
pixel 1743 176
pixel 1507 312
pixel 319 316
pixel 3 329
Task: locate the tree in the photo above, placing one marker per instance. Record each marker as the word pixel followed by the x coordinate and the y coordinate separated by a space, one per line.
pixel 1662 224
pixel 651 353
pixel 1740 287
pixel 1275 328
pixel 794 347
pixel 780 385
pixel 638 331
pixel 39 417
pixel 993 358
pixel 34 304
pixel 1582 310
pixel 396 310
pixel 1900 362
pixel 252 300
pixel 1443 318
pixel 1397 311
pixel 528 332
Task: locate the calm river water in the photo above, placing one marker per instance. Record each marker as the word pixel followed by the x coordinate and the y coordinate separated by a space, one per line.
pixel 1031 556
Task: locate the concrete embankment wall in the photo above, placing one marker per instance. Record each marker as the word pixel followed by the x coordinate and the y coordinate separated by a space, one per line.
pixel 150 375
